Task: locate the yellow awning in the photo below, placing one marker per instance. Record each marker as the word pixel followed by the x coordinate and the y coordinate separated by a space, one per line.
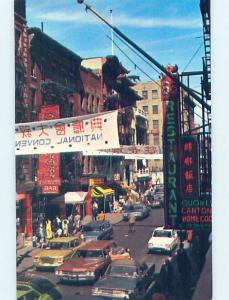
pixel 99 191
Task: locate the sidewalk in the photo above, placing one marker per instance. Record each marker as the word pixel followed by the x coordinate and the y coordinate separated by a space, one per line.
pixel 112 217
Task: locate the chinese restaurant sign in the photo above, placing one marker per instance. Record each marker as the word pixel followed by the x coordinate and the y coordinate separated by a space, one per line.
pixel 171 149
pixel 89 132
pixel 48 174
pixel 189 167
pixel 195 210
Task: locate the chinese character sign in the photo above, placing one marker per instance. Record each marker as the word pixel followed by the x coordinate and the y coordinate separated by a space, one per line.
pixel 189 167
pixel 48 174
pixel 90 132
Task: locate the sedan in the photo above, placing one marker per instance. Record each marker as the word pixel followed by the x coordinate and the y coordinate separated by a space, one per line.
pixel 97 230
pixel 140 210
pixel 163 240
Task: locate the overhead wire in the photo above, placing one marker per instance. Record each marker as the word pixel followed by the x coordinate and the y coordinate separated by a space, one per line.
pixel 193 56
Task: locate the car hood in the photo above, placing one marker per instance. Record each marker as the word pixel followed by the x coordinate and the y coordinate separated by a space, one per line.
pixel 54 253
pixel 121 283
pixel 81 264
pixel 161 240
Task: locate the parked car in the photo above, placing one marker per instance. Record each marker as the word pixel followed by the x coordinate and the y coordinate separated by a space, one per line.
pixel 140 210
pixel 126 279
pixel 97 230
pixel 163 240
pixel 56 252
pixel 88 263
pixel 158 197
pixel 36 287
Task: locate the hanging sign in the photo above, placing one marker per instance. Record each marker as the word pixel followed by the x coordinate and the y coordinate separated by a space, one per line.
pixel 92 132
pixel 171 152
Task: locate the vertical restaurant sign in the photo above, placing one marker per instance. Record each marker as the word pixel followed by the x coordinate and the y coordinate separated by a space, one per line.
pixel 196 211
pixel 171 150
pixel 49 164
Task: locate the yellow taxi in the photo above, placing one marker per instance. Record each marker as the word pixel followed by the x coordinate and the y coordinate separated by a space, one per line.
pixel 56 252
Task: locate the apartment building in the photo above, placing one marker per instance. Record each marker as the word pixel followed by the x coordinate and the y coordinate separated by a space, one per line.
pixel 151 103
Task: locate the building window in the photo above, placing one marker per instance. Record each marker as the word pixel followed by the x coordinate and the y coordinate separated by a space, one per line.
pixel 154 94
pixel 156 140
pixel 18 42
pixel 145 108
pixel 71 108
pixel 43 71
pixel 32 70
pixel 145 94
pixel 155 124
pixel 155 109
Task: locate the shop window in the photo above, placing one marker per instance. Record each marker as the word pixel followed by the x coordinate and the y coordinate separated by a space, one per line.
pixel 154 94
pixel 145 108
pixel 145 94
pixel 155 109
pixel 155 124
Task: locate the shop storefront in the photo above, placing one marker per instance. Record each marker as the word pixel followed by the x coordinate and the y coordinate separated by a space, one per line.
pixel 104 197
pixel 23 214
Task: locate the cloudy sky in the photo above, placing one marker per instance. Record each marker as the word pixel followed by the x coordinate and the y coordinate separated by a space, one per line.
pixel 170 31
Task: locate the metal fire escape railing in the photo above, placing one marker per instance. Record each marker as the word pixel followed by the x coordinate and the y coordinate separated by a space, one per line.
pixel 205 11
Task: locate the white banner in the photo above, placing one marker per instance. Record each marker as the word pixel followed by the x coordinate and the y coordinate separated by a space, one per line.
pixel 89 132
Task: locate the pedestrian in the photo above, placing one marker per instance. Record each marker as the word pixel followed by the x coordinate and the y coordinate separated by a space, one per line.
pixel 49 233
pixel 170 272
pixel 70 224
pixel 59 232
pixel 77 222
pixel 41 235
pixel 184 268
pixel 132 219
pixel 101 216
pixel 34 240
pixel 56 223
pixel 95 210
pixel 65 227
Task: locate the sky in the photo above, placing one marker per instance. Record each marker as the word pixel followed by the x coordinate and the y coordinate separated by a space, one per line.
pixel 170 31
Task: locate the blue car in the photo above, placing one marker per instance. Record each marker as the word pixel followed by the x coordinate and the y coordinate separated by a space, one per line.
pixel 97 230
pixel 140 210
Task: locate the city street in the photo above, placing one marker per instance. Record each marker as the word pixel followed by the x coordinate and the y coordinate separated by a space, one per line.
pixel 137 242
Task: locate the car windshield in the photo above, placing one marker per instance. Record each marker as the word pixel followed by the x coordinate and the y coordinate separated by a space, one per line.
pixel 122 271
pixel 87 228
pixel 58 245
pixel 138 207
pixel 89 253
pixel 159 190
pixel 162 233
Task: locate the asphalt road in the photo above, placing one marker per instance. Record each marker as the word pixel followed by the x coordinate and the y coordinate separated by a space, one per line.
pixel 137 242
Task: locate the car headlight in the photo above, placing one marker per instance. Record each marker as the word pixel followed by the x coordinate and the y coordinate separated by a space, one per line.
pixel 167 246
pixel 95 290
pixel 90 273
pixel 82 236
pixel 150 245
pixel 60 260
pixel 58 272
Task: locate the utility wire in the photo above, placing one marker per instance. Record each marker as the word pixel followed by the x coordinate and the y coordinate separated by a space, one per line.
pixel 191 59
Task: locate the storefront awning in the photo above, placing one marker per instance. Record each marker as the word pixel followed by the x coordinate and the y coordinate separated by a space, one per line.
pixel 75 197
pixel 99 191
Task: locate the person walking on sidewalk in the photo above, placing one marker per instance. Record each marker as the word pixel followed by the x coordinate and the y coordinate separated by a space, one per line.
pixel 101 216
pixel 95 210
pixel 49 233
pixel 132 219
pixel 184 268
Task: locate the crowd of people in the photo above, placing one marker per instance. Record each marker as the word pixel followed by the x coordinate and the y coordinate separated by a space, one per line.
pixel 47 229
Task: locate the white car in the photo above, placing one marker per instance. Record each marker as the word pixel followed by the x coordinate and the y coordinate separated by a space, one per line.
pixel 163 240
